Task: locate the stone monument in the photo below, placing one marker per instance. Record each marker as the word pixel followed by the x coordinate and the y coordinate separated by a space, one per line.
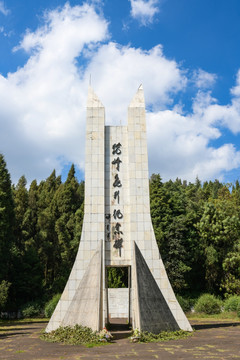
pixel 117 232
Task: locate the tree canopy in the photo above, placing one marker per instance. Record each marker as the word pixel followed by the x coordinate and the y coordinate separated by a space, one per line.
pixel 197 228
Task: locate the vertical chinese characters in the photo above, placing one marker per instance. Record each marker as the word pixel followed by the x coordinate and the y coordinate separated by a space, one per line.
pixel 117 214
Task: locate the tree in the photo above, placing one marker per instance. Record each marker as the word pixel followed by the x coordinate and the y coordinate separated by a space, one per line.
pixel 67 204
pixel 219 230
pixel 7 220
pixel 160 210
pixel 21 205
pixel 46 238
pixel 4 290
pixel 176 261
pixel 231 268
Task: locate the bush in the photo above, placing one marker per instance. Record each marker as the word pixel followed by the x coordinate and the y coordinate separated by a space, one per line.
pixel 231 303
pixel 145 336
pixel 76 335
pixel 184 303
pixel 238 310
pixel 31 310
pixel 208 304
pixel 50 306
pixel 4 290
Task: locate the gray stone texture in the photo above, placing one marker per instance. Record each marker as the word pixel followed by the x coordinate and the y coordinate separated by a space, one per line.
pixel 85 306
pixel 154 313
pixel 118 302
pixel 99 224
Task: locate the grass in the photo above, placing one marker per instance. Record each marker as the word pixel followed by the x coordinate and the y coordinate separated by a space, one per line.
pixel 24 321
pixel 7 325
pixel 223 316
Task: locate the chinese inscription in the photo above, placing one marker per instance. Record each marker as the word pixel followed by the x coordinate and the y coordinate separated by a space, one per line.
pixel 117 233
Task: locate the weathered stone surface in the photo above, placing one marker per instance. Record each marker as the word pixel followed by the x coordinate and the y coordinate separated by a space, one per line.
pixel 154 312
pixel 85 307
pixel 117 213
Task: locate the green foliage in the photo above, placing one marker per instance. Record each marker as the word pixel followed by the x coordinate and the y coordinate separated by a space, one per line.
pixel 117 277
pixel 51 305
pixel 231 271
pixel 144 336
pixel 231 303
pixel 31 310
pixel 208 304
pixel 185 303
pixel 7 219
pixel 238 310
pixel 219 230
pixel 197 228
pixel 4 292
pixel 77 335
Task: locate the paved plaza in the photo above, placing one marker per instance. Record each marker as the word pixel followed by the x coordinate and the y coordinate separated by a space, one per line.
pixel 218 340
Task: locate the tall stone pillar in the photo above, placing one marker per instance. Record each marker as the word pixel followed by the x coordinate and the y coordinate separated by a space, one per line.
pixel 117 230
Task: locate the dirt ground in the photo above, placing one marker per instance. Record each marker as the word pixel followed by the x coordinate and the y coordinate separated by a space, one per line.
pixel 218 340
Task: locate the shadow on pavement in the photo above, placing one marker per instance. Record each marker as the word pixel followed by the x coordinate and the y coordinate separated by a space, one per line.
pixel 9 334
pixel 214 326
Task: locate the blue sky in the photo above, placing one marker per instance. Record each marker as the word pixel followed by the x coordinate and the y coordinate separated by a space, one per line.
pixel 185 53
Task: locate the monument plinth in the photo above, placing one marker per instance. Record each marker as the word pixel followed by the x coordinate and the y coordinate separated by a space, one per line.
pixel 117 232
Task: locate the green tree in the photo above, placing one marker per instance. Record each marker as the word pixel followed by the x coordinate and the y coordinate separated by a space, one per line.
pixel 46 238
pixel 219 230
pixel 67 205
pixel 7 220
pixel 21 204
pixel 4 291
pixel 176 261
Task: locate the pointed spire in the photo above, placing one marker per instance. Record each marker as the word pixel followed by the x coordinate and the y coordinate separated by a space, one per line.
pixel 138 99
pixel 93 100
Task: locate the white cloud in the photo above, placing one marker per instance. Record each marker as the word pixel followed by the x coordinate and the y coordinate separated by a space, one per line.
pixel 236 89
pixel 203 79
pixel 144 10
pixel 124 68
pixel 42 104
pixel 227 116
pixel 179 147
pixel 3 9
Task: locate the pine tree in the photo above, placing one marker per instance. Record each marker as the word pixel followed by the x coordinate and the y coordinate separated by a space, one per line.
pixel 21 204
pixel 67 203
pixel 6 220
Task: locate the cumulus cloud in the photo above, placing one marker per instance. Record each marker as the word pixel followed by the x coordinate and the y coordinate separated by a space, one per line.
pixel 203 79
pixel 144 10
pixel 227 116
pixel 179 147
pixel 124 68
pixel 186 139
pixel 3 9
pixel 42 104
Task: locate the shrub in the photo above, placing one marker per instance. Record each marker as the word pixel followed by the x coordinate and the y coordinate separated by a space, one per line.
pixel 231 303
pixel 76 335
pixel 51 304
pixel 184 303
pixel 31 309
pixel 238 310
pixel 208 304
pixel 4 290
pixel 145 336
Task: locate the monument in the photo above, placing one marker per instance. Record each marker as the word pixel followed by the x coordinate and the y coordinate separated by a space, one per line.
pixel 117 232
